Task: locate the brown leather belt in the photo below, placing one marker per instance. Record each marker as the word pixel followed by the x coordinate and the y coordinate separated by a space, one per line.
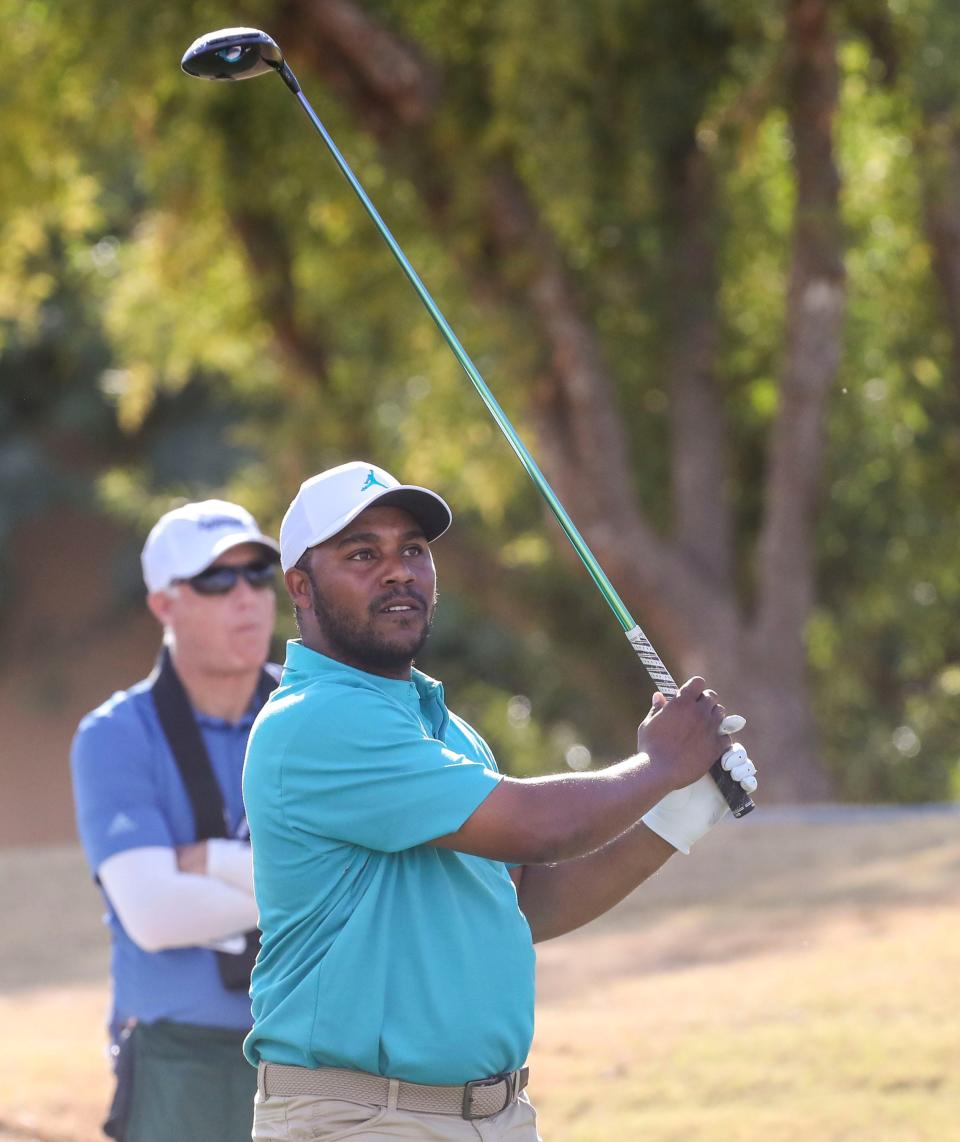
pixel 480 1098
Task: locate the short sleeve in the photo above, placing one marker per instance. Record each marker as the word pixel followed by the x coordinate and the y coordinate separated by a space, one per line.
pixel 114 785
pixel 366 772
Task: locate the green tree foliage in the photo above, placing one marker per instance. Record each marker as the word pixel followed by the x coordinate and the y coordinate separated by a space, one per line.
pixel 192 302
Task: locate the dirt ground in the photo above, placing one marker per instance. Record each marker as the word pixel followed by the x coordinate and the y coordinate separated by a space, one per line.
pixel 796 977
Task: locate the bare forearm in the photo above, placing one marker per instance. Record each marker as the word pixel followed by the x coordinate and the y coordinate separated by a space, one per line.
pixel 556 898
pixel 589 811
pixel 546 819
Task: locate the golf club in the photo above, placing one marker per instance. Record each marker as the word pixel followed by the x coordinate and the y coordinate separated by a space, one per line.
pixel 241 53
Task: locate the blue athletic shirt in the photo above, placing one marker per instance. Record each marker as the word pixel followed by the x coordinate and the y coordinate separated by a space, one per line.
pixel 129 795
pixel 380 953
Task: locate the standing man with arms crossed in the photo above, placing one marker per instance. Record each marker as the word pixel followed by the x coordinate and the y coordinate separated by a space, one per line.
pixel 401 880
pixel 156 773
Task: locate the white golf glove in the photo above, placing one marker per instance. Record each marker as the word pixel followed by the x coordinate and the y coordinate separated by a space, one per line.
pixel 685 815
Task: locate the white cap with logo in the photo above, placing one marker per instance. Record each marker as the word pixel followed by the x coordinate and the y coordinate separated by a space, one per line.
pixel 326 503
pixel 188 539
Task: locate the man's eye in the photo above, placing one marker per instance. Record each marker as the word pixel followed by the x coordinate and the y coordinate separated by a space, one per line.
pixel 361 555
pixel 413 549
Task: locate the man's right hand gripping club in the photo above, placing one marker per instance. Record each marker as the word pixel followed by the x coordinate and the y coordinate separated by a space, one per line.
pixel 686 814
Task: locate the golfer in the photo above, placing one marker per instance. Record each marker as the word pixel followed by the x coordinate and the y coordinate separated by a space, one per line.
pixel 401 880
pixel 156 773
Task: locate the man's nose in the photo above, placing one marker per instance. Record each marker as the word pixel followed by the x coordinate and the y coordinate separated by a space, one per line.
pixel 399 570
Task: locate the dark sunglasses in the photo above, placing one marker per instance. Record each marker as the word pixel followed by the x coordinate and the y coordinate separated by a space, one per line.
pixel 221 580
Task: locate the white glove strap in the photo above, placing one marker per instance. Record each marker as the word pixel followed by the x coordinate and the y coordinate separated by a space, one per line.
pixel 685 815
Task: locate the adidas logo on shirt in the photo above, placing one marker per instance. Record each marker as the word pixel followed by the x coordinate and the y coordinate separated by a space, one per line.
pixel 121 823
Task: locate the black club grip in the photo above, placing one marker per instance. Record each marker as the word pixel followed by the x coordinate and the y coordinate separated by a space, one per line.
pixel 734 794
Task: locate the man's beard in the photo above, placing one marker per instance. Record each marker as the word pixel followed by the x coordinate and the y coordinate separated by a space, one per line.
pixel 358 644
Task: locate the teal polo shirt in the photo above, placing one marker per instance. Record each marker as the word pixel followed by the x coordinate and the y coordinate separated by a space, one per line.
pixel 380 952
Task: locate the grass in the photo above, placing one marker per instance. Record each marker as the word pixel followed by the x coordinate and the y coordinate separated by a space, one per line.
pixel 795 978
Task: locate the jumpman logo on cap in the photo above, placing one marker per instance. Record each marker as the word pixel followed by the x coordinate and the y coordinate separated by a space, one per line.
pixel 371 481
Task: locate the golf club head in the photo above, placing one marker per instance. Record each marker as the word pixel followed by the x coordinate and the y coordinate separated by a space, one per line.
pixel 232 53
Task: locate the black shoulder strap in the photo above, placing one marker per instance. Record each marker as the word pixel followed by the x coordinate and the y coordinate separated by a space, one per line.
pixel 186 743
pixel 269 681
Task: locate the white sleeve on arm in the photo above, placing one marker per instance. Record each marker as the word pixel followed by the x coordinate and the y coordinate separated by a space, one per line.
pixel 231 862
pixel 161 907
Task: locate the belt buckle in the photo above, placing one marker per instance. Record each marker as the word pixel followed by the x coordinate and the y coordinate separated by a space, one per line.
pixel 466 1110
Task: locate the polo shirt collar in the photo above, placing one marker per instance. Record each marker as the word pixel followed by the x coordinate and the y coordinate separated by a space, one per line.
pixel 420 690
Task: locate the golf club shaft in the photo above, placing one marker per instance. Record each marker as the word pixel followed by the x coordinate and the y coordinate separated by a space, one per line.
pixel 739 801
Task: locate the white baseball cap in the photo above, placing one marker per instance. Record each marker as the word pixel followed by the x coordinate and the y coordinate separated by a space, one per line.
pixel 326 503
pixel 188 539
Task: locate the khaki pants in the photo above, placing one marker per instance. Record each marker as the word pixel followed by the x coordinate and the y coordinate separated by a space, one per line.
pixel 303 1118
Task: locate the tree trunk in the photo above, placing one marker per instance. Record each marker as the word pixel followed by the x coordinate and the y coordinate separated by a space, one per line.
pixel 700 471
pixel 939 151
pixel 815 308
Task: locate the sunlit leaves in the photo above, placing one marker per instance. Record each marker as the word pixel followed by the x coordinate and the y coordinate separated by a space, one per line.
pixel 182 303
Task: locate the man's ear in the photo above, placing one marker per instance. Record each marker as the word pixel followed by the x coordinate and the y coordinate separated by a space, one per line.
pixel 299 588
pixel 161 606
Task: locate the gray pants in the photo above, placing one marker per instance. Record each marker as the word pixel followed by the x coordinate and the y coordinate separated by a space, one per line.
pixel 304 1118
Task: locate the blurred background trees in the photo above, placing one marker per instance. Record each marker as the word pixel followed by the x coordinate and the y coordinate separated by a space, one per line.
pixel 707 256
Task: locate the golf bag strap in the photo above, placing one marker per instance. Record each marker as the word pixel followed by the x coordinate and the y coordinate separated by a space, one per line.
pixel 179 725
